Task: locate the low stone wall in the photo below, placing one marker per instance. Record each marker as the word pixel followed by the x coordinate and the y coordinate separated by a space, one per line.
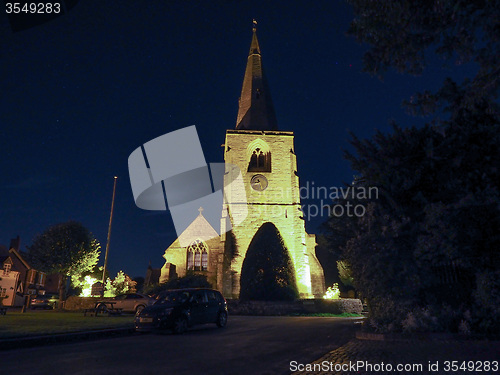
pixel 80 303
pixel 309 306
pixel 344 305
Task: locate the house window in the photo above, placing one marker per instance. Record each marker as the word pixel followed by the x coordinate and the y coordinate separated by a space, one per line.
pixel 3 292
pixel 197 256
pixel 7 267
pixel 41 279
pixel 31 276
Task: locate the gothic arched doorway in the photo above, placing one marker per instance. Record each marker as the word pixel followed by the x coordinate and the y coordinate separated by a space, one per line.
pixel 267 272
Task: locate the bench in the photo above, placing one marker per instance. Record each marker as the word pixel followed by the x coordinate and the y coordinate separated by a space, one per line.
pixel 3 310
pixel 91 312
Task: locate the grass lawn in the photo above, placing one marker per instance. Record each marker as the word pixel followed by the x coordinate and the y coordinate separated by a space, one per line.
pixel 16 324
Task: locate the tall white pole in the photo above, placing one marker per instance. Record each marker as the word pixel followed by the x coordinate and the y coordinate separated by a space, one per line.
pixel 109 236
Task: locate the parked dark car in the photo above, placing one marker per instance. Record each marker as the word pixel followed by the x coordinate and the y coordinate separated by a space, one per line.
pixel 182 308
pixel 45 301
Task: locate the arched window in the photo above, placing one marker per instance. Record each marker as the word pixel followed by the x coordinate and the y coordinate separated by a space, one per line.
pixel 190 261
pixel 259 156
pixel 204 260
pixel 197 256
pixel 197 260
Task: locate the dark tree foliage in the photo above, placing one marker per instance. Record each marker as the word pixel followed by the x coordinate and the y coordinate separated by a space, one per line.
pixel 425 254
pixel 402 33
pixel 267 273
pixel 345 273
pixel 431 238
pixel 191 280
pixel 230 252
pixel 68 249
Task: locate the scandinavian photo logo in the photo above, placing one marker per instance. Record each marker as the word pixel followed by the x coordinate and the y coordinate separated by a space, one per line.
pixel 171 171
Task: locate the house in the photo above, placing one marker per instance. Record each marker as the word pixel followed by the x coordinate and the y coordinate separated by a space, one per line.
pixel 8 280
pixel 28 280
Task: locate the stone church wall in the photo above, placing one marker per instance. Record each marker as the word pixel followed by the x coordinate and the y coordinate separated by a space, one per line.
pixel 279 203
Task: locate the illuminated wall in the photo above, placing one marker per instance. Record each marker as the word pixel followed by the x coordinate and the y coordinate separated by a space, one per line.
pixel 202 237
pixel 271 195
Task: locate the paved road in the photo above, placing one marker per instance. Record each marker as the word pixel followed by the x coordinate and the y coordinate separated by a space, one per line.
pixel 248 345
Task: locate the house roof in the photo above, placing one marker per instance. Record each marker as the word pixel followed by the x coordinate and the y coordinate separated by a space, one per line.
pixel 18 255
pixel 5 258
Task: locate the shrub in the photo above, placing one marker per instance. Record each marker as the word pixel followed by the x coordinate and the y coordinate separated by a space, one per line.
pixel 267 273
pixel 191 280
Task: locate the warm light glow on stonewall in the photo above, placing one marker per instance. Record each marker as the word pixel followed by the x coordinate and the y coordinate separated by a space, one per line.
pixel 332 292
pixel 87 286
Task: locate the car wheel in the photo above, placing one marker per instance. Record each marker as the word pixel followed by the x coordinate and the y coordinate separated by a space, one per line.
pixel 139 308
pixel 180 325
pixel 222 319
pixel 101 309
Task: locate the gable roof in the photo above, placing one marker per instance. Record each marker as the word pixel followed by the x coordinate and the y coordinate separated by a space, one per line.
pixel 199 229
pixel 5 259
pixel 18 255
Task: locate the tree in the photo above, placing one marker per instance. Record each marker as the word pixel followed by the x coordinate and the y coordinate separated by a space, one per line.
pixel 345 273
pixel 267 272
pixel 426 250
pixel 121 284
pixel 84 281
pixel 402 33
pixel 68 249
pixel 191 280
pixel 429 239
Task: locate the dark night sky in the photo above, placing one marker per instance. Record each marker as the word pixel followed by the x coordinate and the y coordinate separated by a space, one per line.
pixel 80 93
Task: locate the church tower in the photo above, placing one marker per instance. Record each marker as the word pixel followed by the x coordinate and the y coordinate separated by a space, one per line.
pixel 266 158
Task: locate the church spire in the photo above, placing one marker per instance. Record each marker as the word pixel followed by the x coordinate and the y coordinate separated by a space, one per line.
pixel 256 111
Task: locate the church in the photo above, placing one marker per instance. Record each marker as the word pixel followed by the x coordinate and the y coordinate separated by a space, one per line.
pixel 265 156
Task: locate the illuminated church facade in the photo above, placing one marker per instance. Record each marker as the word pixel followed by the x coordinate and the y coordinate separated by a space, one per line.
pixel 267 162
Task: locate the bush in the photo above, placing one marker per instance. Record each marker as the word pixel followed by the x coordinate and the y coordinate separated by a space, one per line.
pixel 267 273
pixel 420 320
pixel 191 280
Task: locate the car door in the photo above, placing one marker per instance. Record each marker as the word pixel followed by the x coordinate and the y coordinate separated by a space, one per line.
pixel 132 301
pixel 198 307
pixel 120 301
pixel 212 306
